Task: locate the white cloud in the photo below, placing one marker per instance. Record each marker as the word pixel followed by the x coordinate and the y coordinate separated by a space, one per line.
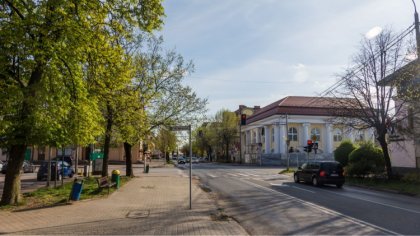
pixel 372 33
pixel 301 73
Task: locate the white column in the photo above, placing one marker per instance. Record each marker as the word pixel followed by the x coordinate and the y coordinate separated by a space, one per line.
pixel 328 138
pixel 258 139
pixel 305 133
pixel 267 139
pixel 276 138
pixel 283 138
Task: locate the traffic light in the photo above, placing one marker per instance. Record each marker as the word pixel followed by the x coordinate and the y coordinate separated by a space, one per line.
pixel 243 119
pixel 308 148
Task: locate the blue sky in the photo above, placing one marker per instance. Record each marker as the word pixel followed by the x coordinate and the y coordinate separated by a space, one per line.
pixel 254 52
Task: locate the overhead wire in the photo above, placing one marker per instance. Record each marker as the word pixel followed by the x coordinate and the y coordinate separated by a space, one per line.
pixel 360 67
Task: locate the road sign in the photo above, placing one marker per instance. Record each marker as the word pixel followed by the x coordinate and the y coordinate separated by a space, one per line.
pixel 96 155
pixel 179 128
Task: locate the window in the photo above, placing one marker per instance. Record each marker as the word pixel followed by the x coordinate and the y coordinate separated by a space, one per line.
pixel 316 134
pixel 360 136
pixel 338 135
pixel 292 135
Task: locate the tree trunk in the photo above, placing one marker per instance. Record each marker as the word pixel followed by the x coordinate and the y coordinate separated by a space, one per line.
pixel 108 131
pixel 227 152
pixel 384 146
pixel 11 189
pixel 128 160
pixel 167 157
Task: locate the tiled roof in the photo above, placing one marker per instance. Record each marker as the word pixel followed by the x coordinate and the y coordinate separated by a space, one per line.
pixel 298 105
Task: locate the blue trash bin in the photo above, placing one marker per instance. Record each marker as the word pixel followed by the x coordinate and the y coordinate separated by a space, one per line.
pixel 76 189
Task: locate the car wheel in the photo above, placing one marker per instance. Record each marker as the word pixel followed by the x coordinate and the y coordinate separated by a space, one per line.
pixel 296 178
pixel 315 181
pixel 339 185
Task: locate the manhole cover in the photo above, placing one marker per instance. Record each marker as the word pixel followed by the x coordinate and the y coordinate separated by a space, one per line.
pixel 137 214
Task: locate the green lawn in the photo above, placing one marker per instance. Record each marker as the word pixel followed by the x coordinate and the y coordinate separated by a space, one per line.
pixel 47 197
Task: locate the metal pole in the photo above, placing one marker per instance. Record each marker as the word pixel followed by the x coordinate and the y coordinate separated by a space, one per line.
pixel 190 168
pixel 287 142
pixel 49 167
pixel 240 143
pixel 416 25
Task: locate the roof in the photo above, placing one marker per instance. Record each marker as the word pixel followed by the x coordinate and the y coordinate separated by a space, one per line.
pixel 408 69
pixel 299 105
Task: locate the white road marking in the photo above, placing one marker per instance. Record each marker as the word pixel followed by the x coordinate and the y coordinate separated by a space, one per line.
pixel 253 175
pixel 213 176
pixel 243 174
pixel 279 185
pixel 367 200
pixel 320 208
pixel 303 189
pixel 232 175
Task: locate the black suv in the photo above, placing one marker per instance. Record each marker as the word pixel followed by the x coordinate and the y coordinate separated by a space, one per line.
pixel 321 172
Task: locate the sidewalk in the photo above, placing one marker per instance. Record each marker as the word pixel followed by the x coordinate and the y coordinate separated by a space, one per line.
pixel 154 203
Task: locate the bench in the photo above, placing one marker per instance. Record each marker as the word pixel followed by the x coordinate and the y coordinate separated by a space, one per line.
pixel 104 183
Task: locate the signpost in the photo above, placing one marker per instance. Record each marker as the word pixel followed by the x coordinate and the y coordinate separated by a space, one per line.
pixel 186 128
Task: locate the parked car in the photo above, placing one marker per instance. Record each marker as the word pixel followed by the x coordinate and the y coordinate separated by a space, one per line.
pixel 1 164
pixel 64 170
pixel 320 172
pixel 67 159
pixel 181 160
pixel 27 167
pixel 194 160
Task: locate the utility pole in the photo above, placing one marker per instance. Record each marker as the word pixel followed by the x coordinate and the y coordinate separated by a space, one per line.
pixel 416 25
pixel 189 127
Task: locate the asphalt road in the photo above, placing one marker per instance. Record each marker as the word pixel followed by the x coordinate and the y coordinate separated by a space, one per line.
pixel 264 202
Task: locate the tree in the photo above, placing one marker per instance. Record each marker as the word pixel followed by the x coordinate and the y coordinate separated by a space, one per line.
pixel 222 133
pixel 45 48
pixel 162 99
pixel 366 160
pixel 370 103
pixel 166 142
pixel 341 154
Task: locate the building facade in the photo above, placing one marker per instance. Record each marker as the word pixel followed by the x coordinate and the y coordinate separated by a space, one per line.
pixel 283 128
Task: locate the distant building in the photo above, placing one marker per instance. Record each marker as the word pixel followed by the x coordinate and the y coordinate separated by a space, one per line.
pixel 272 132
pixel 404 147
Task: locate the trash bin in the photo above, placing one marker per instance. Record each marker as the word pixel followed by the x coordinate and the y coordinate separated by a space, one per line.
pixel 146 169
pixel 116 178
pixel 76 189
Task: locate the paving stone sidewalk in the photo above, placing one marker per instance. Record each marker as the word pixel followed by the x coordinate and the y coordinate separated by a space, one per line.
pixel 151 204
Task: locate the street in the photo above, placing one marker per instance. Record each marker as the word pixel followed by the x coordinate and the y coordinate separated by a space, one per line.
pixel 264 202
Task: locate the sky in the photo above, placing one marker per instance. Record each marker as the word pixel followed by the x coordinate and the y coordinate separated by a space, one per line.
pixel 255 52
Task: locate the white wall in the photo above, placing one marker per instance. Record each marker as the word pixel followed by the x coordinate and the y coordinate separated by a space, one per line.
pixel 402 154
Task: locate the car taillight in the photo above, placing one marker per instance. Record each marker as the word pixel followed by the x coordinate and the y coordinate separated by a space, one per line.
pixel 322 173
